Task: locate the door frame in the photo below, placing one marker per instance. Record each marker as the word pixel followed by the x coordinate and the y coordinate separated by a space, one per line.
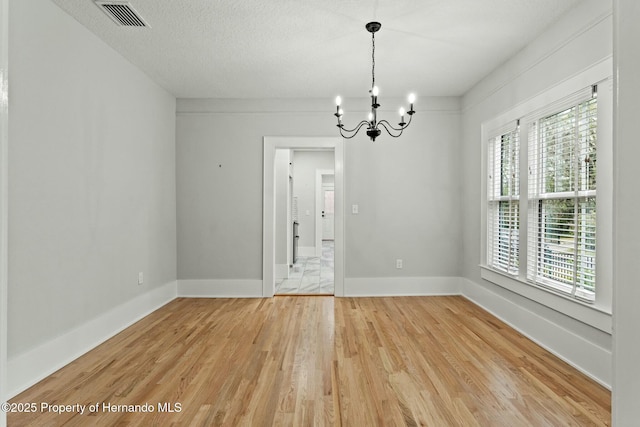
pixel 270 144
pixel 319 196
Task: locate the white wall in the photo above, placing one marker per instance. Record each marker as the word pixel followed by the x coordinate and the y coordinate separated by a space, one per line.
pixel 576 42
pixel 305 164
pixel 91 189
pixel 626 348
pixel 408 189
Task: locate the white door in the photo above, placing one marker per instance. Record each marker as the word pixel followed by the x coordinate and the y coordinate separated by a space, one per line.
pixel 327 212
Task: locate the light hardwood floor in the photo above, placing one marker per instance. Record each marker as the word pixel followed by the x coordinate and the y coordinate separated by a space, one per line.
pixel 301 361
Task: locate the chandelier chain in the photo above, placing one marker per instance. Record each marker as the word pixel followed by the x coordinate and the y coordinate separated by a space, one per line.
pixel 373 60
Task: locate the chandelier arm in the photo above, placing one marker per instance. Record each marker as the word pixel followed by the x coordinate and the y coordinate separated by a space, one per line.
pixel 409 122
pixel 353 131
pixel 400 129
pixel 384 124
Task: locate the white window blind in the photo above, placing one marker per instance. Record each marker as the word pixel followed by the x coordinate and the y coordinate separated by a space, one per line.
pixel 561 231
pixel 503 212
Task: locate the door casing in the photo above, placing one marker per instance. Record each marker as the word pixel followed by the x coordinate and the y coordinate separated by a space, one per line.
pixel 270 145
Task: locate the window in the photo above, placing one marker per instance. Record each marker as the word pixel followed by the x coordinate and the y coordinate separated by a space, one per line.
pixel 547 193
pixel 562 200
pixel 547 237
pixel 503 202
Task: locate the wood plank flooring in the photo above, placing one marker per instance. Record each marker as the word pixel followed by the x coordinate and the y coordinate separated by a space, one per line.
pixel 302 361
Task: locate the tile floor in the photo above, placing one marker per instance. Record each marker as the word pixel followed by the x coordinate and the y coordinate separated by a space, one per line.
pixel 310 275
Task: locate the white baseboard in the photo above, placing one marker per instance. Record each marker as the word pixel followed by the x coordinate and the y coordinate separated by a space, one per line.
pixel 282 271
pixel 26 369
pixel 307 251
pixel 220 288
pixel 400 286
pixel 588 357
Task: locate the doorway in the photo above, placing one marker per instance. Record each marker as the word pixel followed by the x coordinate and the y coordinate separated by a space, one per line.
pixel 311 172
pixel 271 145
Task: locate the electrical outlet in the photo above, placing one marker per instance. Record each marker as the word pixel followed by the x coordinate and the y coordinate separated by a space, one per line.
pixel 140 278
pixel 398 263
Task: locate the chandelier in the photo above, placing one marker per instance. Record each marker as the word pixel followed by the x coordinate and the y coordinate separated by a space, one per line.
pixel 372 122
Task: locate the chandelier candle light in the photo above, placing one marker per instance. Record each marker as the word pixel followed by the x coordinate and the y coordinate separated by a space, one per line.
pixel 372 122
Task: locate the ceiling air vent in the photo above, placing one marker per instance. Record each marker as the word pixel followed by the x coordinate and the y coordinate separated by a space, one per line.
pixel 122 13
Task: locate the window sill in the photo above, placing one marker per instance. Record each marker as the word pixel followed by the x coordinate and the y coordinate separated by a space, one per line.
pixel 588 313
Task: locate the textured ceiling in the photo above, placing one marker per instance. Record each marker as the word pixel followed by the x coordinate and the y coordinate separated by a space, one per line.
pixel 320 48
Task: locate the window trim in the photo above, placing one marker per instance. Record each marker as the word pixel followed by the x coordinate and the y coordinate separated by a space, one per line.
pixel 598 313
pixel 590 314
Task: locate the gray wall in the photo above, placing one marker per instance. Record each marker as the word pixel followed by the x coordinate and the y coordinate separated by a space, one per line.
pixel 408 189
pixel 91 177
pixel 626 350
pixel 4 136
pixel 408 196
